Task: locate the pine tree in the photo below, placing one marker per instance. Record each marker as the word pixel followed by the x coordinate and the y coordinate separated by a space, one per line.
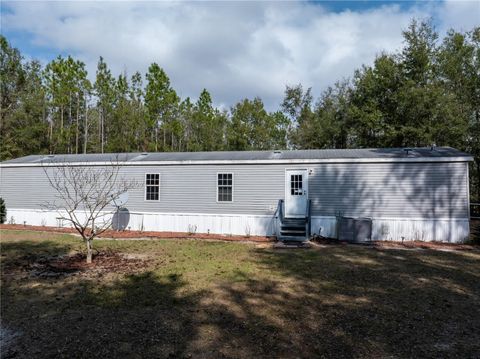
pixel 105 92
pixel 161 103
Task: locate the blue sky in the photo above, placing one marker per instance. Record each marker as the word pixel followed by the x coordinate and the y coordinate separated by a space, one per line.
pixel 234 49
pixel 339 6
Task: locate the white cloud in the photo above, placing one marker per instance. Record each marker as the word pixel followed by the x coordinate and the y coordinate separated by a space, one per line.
pixel 235 50
pixel 459 15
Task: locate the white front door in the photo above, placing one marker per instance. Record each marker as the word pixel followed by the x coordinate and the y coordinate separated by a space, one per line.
pixel 296 193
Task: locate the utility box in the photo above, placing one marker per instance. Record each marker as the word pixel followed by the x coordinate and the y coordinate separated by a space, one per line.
pixel 357 230
pixel 363 230
pixel 346 229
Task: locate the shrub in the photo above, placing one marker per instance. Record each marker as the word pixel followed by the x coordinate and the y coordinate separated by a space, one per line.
pixel 3 211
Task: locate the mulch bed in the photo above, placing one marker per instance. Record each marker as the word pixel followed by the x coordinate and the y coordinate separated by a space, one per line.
pixel 143 234
pixel 48 266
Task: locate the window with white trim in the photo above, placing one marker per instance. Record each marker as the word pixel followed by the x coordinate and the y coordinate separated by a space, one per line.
pixel 296 184
pixel 225 187
pixel 152 186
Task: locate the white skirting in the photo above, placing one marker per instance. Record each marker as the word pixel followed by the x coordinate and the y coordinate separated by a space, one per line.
pixel 445 230
pixel 234 224
pixel 441 230
pixel 398 229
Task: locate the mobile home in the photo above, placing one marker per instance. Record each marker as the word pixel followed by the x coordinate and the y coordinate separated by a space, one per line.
pixel 411 194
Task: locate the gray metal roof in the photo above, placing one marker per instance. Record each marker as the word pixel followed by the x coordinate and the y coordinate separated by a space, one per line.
pixel 330 154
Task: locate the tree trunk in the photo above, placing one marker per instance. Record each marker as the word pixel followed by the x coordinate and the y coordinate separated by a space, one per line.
pixel 99 129
pixel 85 136
pixel 78 120
pixel 69 140
pixel 89 251
pixel 478 181
pixel 164 139
pixel 50 135
pixel 61 120
pixel 103 130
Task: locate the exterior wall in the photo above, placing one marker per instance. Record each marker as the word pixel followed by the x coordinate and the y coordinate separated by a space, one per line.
pixel 426 201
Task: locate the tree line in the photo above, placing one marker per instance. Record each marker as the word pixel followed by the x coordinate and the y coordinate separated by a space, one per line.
pixel 426 93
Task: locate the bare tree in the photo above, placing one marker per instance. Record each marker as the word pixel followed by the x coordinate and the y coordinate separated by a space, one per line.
pixel 84 196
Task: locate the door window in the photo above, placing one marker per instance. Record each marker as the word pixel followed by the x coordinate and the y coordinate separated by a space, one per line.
pixel 296 185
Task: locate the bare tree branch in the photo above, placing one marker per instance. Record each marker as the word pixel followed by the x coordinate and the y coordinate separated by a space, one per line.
pixel 85 195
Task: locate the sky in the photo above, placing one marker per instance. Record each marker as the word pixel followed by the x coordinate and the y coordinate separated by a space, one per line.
pixel 235 50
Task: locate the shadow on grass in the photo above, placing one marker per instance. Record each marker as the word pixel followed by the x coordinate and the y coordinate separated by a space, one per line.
pixel 339 302
pixel 383 302
pixel 141 315
pixel 23 252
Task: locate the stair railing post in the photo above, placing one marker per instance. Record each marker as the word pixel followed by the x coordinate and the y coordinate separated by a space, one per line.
pixel 309 219
pixel 279 218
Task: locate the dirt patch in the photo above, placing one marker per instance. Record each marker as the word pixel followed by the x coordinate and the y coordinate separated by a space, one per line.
pixel 325 240
pixel 74 264
pixel 144 234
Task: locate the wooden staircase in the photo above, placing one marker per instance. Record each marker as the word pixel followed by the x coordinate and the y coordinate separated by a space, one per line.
pixel 292 229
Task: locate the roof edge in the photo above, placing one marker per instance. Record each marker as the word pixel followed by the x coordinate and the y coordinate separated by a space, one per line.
pixel 245 162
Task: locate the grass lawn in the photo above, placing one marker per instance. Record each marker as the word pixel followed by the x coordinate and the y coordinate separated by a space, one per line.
pixel 198 299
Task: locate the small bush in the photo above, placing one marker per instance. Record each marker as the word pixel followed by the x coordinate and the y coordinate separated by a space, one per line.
pixel 3 211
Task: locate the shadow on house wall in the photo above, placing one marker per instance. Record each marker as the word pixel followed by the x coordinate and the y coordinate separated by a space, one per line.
pixel 121 219
pixel 416 191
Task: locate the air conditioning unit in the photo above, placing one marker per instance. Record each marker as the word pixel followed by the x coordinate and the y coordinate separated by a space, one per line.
pixel 357 230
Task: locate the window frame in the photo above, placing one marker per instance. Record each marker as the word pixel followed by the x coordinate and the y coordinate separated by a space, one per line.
pixel 217 186
pixel 145 187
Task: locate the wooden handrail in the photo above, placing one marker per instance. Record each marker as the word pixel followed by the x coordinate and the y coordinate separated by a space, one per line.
pixel 309 217
pixel 279 217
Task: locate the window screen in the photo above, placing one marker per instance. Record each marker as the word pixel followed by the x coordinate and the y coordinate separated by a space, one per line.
pixel 225 187
pixel 296 185
pixel 152 186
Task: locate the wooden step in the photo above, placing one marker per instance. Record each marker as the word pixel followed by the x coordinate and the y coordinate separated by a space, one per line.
pixel 293 232
pixel 292 238
pixel 300 221
pixel 293 226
